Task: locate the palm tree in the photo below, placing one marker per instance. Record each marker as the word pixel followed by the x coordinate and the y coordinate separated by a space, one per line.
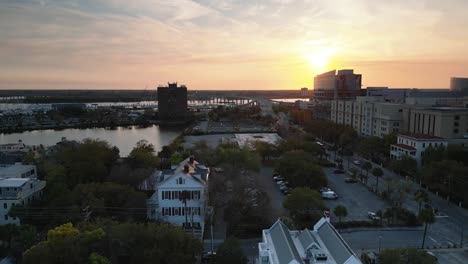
pixel 340 211
pixel 420 196
pixel 367 166
pixel 377 172
pixel 184 196
pixel 427 217
pixel 354 172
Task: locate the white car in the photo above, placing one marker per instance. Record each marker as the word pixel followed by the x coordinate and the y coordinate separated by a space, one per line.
pixel 329 195
pixel 357 162
pixel 373 216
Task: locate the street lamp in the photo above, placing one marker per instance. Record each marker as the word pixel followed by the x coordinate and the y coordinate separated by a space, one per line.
pixel 380 242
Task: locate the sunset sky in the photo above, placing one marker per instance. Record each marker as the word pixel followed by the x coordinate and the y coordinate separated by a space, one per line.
pixel 229 44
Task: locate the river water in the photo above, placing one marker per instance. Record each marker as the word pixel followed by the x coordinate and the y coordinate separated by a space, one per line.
pixel 124 138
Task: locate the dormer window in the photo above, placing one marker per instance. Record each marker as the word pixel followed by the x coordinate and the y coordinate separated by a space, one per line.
pixel 180 181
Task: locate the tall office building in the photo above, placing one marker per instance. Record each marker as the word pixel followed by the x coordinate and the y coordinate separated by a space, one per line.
pixel 459 85
pixel 172 102
pixel 344 84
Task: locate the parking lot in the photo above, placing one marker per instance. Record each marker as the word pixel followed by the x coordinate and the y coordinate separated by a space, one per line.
pixel 357 199
pixel 265 180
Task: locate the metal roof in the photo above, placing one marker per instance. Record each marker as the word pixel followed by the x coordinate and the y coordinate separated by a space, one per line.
pixel 284 246
pixel 334 243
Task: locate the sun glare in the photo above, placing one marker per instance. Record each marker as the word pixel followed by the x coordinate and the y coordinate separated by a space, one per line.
pixel 319 60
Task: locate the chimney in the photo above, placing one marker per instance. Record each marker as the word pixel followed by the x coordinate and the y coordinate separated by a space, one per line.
pixel 186 168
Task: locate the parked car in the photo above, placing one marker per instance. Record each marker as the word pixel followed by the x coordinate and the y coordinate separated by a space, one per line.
pixel 278 178
pixel 325 189
pixel 357 162
pixel 285 183
pixel 329 195
pixel 350 180
pixel 338 171
pixel 373 216
pixel 283 188
pixel 286 191
pixel 280 183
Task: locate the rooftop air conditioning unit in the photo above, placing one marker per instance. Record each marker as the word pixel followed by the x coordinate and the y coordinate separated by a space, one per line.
pixel 320 257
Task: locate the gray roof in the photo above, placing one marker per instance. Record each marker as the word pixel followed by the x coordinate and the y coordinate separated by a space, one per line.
pixel 334 243
pixel 13 182
pixel 284 246
pixel 306 239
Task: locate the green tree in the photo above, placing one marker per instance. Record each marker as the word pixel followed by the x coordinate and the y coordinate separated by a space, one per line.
pixel 143 155
pixel 367 166
pixel 406 255
pixel 14 239
pixel 64 244
pixel 230 252
pixel 377 172
pixel 95 258
pixel 305 206
pixel 301 169
pixel 340 211
pixel 420 196
pixel 427 217
pixel 264 149
pixel 354 172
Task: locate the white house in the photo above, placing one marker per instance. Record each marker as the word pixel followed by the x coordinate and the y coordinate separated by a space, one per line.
pixel 13 147
pixel 18 170
pixel 180 196
pixel 414 146
pixel 17 191
pixel 323 245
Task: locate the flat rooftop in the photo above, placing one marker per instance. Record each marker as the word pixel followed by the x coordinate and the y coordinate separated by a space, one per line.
pixel 13 182
pixel 249 138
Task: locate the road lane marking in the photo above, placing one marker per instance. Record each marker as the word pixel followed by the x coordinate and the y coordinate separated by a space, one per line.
pixel 433 240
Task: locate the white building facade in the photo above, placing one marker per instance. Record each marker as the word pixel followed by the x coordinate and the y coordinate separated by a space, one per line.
pixel 414 146
pixel 18 191
pixel 180 196
pixel 369 116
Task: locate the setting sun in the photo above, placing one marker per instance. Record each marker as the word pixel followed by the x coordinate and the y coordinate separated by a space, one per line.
pixel 319 60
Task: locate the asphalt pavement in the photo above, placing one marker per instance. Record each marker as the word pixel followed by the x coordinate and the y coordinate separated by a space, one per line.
pixel 357 199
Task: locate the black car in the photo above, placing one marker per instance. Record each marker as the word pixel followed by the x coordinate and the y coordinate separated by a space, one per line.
pixel 350 180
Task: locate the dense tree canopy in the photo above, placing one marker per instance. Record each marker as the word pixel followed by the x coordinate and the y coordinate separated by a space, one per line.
pixel 112 242
pixel 230 252
pixel 305 206
pixel 301 169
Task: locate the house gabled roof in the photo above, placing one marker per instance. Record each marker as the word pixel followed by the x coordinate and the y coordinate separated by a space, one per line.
pixel 194 168
pixel 334 243
pixel 286 251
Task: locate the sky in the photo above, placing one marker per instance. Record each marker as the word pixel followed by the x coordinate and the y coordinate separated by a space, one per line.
pixel 229 44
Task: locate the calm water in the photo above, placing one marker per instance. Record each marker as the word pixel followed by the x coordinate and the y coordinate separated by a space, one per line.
pixel 122 137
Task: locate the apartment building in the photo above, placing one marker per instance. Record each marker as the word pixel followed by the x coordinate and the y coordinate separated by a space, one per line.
pixel 450 123
pixel 180 196
pixel 414 146
pixel 369 115
pixel 17 191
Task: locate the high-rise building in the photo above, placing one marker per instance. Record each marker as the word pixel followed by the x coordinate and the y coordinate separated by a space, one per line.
pixel 172 102
pixel 344 84
pixel 304 92
pixel 459 85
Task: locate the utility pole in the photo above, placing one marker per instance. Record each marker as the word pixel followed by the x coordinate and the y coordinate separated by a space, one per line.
pixel 211 212
pixel 380 242
pixel 461 235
